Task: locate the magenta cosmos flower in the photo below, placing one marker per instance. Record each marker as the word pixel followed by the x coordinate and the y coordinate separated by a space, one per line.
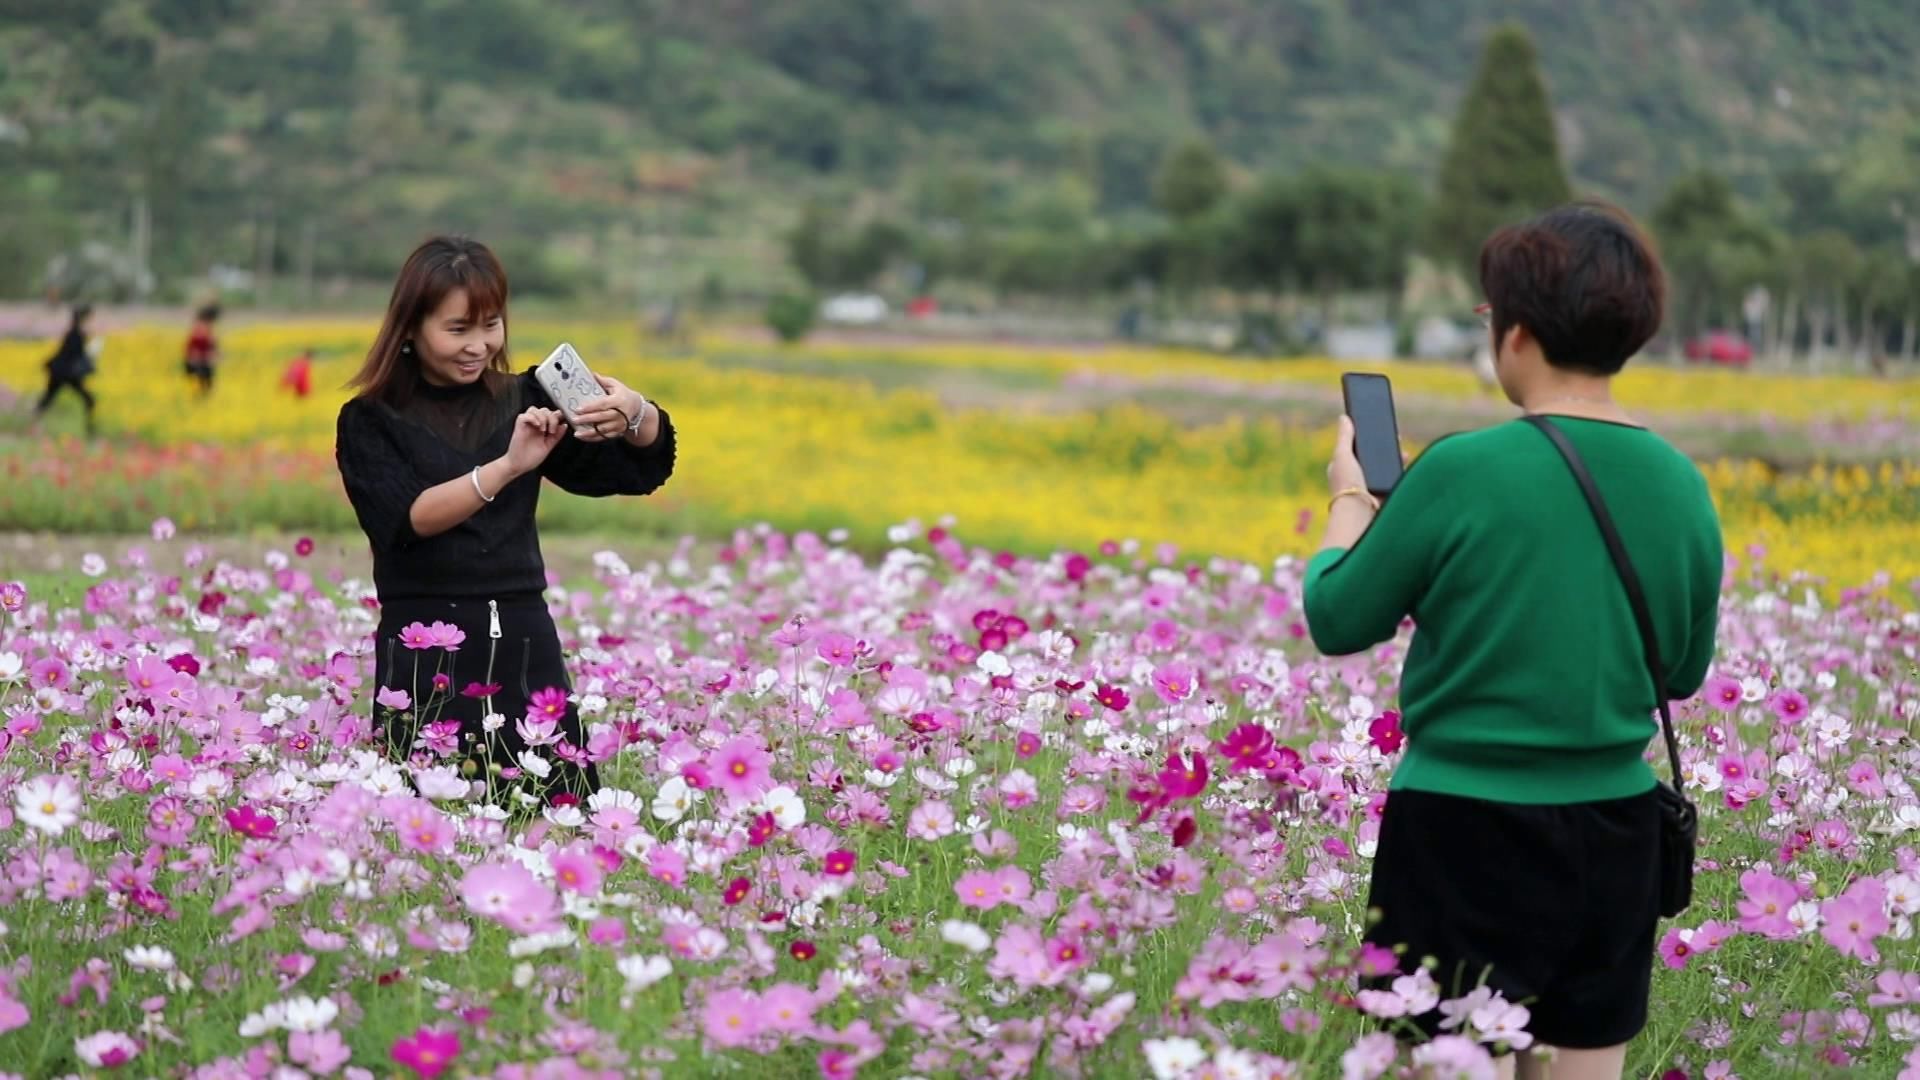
pixel 428 1052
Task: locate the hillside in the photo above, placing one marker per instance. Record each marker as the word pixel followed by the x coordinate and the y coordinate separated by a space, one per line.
pixel 300 137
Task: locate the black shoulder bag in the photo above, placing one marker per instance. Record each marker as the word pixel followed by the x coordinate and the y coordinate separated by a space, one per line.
pixel 1679 821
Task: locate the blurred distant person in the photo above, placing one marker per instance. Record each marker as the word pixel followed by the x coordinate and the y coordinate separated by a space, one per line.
pixel 69 366
pixel 203 349
pixel 299 374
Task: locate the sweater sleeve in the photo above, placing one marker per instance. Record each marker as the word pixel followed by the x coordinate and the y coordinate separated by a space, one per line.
pixel 1686 678
pixel 1357 596
pixel 379 477
pixel 609 468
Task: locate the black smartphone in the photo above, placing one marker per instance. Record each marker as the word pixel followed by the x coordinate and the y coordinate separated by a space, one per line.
pixel 1376 434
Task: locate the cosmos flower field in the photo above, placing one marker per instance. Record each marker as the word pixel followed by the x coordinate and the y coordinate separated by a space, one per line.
pixel 940 811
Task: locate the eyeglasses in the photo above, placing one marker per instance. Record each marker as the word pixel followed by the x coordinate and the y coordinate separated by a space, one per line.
pixel 1485 311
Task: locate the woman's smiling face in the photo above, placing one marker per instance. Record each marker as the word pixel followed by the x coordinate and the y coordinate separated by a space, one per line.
pixel 454 345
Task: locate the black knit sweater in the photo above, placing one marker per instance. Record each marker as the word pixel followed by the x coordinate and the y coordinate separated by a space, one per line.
pixel 388 456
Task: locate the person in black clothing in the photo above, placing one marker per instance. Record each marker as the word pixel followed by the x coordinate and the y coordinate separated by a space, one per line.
pixel 442 453
pixel 69 367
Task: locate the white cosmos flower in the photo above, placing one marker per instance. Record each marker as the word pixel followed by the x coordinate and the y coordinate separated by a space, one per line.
pixel 788 809
pixel 93 564
pixel 966 935
pixel 10 666
pixel 674 799
pixel 49 804
pixel 993 663
pixel 271 1018
pixel 149 958
pixel 540 767
pixel 643 971
pixel 309 1014
pixel 1171 1059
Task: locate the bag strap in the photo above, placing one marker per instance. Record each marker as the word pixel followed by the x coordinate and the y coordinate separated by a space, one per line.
pixel 1636 596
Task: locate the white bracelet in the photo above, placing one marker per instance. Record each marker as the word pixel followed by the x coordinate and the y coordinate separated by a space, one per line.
pixel 475 477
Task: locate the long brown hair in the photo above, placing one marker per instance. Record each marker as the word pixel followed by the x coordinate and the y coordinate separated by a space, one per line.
pixel 435 269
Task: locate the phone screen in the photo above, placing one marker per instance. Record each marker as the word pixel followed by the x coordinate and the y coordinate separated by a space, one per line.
pixel 1376 434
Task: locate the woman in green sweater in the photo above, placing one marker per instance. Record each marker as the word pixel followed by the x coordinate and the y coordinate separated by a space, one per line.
pixel 1518 847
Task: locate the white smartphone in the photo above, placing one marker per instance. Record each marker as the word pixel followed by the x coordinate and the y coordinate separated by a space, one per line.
pixel 567 380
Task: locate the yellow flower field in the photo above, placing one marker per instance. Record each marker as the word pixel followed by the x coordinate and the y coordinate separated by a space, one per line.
pixel 816 451
pixel 1647 387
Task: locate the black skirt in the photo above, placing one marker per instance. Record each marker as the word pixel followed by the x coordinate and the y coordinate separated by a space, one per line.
pixel 510 655
pixel 1555 907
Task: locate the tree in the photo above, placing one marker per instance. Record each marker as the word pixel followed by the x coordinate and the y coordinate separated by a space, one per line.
pixel 1264 244
pixel 1355 230
pixel 1694 221
pixel 1503 163
pixel 1191 181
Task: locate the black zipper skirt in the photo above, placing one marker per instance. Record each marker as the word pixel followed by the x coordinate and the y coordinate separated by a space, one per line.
pixel 511 654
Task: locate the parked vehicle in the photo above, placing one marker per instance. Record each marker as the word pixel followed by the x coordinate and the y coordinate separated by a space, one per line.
pixel 1720 347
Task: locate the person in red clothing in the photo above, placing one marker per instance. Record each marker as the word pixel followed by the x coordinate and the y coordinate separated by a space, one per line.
pixel 203 349
pixel 299 374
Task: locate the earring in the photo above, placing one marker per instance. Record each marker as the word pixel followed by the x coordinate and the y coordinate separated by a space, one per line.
pixel 406 346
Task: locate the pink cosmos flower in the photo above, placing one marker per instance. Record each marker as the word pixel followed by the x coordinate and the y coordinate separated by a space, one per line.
pixel 428 1052
pixel 1895 988
pixel 1384 732
pixel 732 1018
pixel 397 700
pixel 49 672
pixel 737 890
pixel 1676 948
pixel 761 829
pixel 322 1052
pixel 931 820
pixel 1853 919
pixel 1767 901
pixel 1790 706
pixel 1723 693
pixel 839 862
pixel 106 1050
pixel 837 649
pixel 787 1008
pixel 742 768
pixel 13 1014
pixel 151 675
pixel 1114 698
pixel 576 870
pixel 548 703
pixel 1184 777
pixel 1026 744
pixel 1245 746
pixel 1174 682
pixel 497 890
pixel 251 823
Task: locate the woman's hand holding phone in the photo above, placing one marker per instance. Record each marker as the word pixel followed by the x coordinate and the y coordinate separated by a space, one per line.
pixel 1344 472
pixel 605 418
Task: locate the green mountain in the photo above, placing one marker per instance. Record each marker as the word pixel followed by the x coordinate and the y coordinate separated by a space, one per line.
pixel 310 139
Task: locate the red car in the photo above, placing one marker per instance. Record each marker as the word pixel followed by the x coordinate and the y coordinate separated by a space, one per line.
pixel 1720 347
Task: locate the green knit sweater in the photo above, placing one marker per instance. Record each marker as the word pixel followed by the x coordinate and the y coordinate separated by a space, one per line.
pixel 1525 681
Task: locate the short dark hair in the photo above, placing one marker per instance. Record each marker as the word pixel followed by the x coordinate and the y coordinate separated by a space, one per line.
pixel 1583 279
pixel 209 313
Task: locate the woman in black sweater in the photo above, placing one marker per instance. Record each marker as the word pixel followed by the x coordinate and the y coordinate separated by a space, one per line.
pixel 442 453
